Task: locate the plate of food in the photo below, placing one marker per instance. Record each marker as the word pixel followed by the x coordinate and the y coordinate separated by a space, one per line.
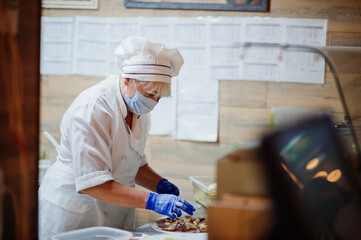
pixel 177 236
pixel 186 224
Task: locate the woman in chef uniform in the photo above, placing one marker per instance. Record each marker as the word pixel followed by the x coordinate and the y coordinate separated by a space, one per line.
pixel 101 155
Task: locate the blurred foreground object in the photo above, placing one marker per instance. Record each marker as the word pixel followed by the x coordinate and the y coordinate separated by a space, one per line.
pixel 283 115
pixel 243 209
pixel 241 173
pixel 237 217
pixel 312 183
pixel 303 171
pixel 95 233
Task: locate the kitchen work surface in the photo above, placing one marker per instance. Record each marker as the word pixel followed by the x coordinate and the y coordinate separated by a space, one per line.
pixel 148 232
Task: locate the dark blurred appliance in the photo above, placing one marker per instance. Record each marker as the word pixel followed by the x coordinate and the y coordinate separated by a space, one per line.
pixel 313 185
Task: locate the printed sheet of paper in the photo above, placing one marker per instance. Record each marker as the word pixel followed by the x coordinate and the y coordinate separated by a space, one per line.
pixel 304 67
pixel 291 65
pixel 224 52
pixel 56 45
pixel 190 38
pixel 118 29
pixel 197 110
pixel 305 31
pixel 156 29
pixel 163 115
pixel 261 63
pixel 262 30
pixel 210 46
pixel 90 46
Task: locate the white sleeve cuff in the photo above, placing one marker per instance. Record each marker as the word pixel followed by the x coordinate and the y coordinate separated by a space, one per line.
pixel 92 180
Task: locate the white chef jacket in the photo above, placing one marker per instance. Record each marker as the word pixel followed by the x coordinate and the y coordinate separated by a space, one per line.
pixel 96 146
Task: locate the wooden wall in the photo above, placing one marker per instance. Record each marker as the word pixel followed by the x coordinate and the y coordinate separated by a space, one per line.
pixel 244 105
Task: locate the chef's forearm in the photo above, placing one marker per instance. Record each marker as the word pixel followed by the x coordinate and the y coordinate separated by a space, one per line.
pixel 118 194
pixel 148 178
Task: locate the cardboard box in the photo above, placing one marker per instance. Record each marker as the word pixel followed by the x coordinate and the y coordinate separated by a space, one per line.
pixel 238 218
pixel 242 173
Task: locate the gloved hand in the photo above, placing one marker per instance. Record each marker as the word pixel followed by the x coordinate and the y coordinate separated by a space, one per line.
pixel 164 186
pixel 168 204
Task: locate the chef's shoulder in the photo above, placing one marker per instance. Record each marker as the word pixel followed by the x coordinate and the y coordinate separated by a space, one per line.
pixel 96 99
pixel 101 92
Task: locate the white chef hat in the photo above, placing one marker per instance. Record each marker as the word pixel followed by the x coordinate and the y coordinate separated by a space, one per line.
pixel 142 60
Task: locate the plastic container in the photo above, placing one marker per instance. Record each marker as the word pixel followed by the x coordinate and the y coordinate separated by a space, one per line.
pixel 204 189
pixel 94 233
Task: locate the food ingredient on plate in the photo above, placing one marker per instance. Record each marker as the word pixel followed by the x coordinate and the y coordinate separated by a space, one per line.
pixel 183 224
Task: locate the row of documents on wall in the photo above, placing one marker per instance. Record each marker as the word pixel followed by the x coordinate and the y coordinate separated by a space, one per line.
pixel 210 46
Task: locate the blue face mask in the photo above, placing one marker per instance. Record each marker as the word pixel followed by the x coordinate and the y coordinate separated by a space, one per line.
pixel 140 104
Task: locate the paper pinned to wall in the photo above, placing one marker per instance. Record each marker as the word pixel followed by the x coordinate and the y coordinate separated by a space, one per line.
pixel 189 36
pixel 211 47
pixel 224 54
pixel 225 30
pixel 302 66
pixel 56 45
pixel 118 29
pixel 190 31
pixel 156 29
pixel 261 63
pixel 90 46
pixel 274 64
pixel 163 115
pixel 305 31
pixel 263 30
pixel 197 110
pixel 305 67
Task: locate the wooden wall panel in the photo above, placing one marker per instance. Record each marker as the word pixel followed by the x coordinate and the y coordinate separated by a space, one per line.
pixel 243 94
pixel 319 96
pixel 342 16
pixel 346 39
pixel 244 106
pixel 56 86
pixel 183 158
pixel 239 125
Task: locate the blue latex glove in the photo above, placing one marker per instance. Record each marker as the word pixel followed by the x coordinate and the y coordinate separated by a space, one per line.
pixel 164 186
pixel 168 204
